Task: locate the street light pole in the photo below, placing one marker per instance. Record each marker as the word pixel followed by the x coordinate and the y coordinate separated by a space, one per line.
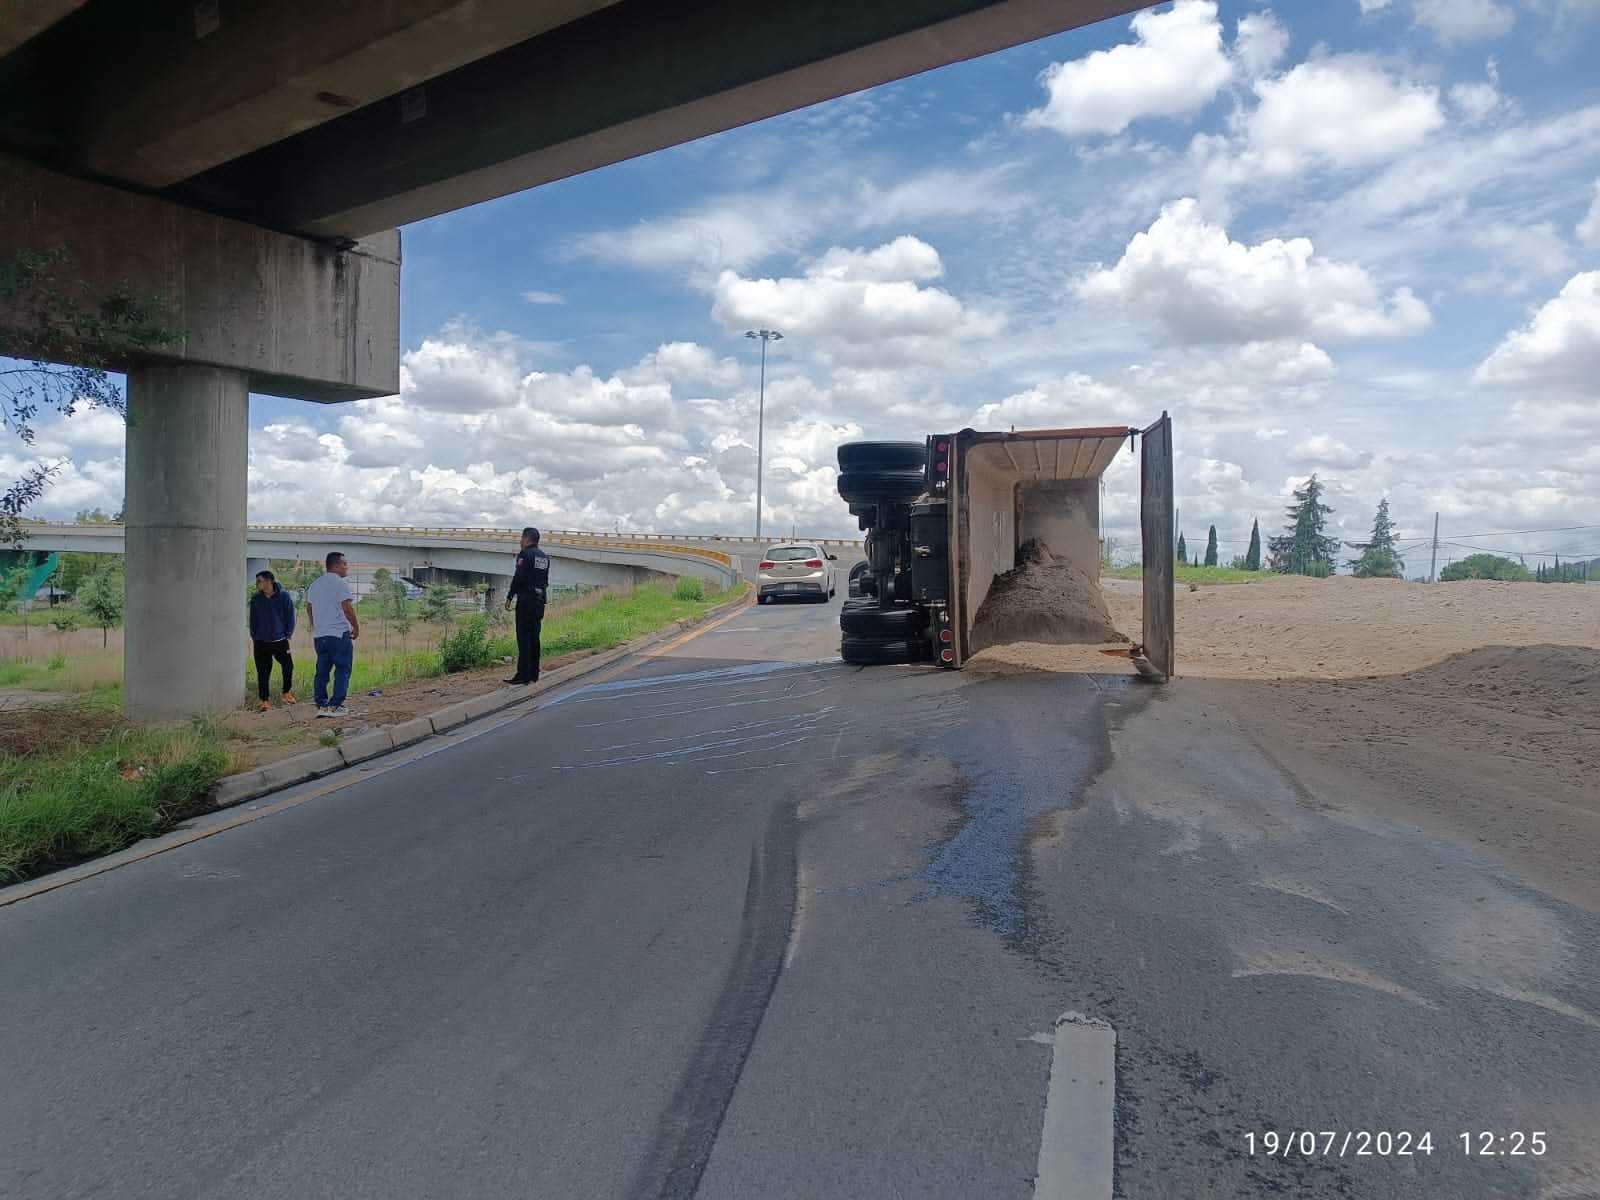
pixel 765 336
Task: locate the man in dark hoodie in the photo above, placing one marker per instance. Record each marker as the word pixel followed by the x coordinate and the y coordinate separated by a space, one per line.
pixel 271 627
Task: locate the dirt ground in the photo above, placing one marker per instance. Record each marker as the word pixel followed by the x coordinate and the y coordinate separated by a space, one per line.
pixel 283 731
pixel 1470 710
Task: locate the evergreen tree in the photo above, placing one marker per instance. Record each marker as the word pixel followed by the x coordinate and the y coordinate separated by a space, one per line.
pixel 438 604
pixel 1211 547
pixel 1379 558
pixel 1252 557
pixel 1183 552
pixel 1303 548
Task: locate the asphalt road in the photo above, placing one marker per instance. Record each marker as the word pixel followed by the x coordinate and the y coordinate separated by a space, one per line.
pixel 740 921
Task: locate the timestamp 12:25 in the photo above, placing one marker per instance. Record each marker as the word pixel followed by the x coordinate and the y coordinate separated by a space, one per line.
pixel 1485 1143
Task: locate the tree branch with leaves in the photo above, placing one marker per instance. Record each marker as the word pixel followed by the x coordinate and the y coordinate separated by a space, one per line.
pixel 68 339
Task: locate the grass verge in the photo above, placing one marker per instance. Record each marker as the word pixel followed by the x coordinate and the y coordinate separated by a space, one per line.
pixel 1198 574
pixel 76 783
pixel 596 621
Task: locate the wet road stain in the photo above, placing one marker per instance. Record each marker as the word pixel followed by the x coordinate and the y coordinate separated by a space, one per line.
pixel 1018 768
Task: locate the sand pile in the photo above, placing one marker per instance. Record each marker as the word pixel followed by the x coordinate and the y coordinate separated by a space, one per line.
pixel 1044 598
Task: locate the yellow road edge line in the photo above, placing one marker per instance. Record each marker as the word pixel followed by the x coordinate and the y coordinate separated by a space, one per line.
pixel 659 651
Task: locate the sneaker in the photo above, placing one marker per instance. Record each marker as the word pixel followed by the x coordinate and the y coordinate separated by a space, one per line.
pixel 515 682
pixel 339 711
pixel 288 698
pixel 265 706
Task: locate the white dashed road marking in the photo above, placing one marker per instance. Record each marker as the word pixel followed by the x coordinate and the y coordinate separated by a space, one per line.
pixel 1075 1153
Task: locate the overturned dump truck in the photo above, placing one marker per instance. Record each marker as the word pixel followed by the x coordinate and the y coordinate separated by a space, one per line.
pixel 975 539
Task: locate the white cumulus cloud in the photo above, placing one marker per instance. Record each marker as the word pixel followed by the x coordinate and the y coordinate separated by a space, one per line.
pixel 1454 21
pixel 1323 451
pixel 1175 66
pixel 1588 229
pixel 1559 349
pixel 1344 111
pixel 1260 44
pixel 857 307
pixel 1196 285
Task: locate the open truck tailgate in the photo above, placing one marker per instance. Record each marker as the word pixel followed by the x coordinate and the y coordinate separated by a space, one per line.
pixel 1007 488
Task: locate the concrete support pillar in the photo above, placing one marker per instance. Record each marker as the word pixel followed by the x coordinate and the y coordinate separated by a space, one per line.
pixel 499 585
pixel 188 442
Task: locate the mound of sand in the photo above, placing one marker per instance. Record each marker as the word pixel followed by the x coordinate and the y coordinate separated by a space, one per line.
pixel 1044 598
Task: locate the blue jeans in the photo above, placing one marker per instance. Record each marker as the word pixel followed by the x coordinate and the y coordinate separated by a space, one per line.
pixel 338 655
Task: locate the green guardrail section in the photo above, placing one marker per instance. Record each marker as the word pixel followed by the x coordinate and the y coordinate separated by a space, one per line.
pixel 39 565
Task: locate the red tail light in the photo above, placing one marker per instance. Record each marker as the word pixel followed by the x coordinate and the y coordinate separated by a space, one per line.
pixel 946 636
pixel 766 566
pixel 813 562
pixel 947 656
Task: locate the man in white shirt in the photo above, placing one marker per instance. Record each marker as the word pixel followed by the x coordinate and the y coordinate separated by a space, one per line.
pixel 331 611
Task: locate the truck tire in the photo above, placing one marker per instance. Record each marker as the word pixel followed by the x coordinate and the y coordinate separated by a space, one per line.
pixel 856 572
pixel 868 652
pixel 866 487
pixel 883 456
pixel 883 623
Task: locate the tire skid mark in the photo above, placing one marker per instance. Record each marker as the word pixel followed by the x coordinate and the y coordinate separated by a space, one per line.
pixel 687 1130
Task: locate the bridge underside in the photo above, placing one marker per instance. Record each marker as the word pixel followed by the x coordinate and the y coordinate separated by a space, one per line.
pixel 248 165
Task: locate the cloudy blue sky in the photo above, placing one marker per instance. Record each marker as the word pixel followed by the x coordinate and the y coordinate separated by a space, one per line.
pixel 1355 237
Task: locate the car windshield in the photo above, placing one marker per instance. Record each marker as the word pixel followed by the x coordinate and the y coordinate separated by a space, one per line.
pixel 792 553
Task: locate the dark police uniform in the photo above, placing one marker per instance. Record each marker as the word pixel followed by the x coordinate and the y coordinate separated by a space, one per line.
pixel 530 587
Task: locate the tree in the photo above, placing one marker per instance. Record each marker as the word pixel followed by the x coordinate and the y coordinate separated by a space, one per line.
pixel 296 577
pixel 1303 548
pixel 1252 556
pixel 1183 552
pixel 437 604
pixel 12 584
pixel 1211 547
pixel 65 325
pixel 401 606
pixel 103 599
pixel 1379 558
pixel 381 581
pixel 1486 566
pixel 72 569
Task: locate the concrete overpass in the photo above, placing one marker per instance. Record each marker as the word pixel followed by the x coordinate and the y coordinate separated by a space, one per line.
pixel 249 164
pixel 576 559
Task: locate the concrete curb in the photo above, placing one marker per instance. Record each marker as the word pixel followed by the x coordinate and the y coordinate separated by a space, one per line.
pixel 258 782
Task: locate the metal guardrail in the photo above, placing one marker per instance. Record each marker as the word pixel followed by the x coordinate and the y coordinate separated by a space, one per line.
pixel 672 543
pixel 457 533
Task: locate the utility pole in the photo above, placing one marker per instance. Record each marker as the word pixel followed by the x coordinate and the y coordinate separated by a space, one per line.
pixel 1434 560
pixel 766 335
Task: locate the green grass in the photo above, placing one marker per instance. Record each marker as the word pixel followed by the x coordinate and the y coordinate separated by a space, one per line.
pixel 617 618
pixel 594 621
pixel 67 796
pixel 1198 574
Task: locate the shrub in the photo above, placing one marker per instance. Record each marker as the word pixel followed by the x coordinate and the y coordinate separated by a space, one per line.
pixel 468 647
pixel 689 587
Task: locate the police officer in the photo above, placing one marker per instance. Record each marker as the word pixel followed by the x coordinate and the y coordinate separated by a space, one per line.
pixel 530 587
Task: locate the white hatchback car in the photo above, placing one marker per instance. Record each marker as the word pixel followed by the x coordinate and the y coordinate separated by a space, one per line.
pixel 796 570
